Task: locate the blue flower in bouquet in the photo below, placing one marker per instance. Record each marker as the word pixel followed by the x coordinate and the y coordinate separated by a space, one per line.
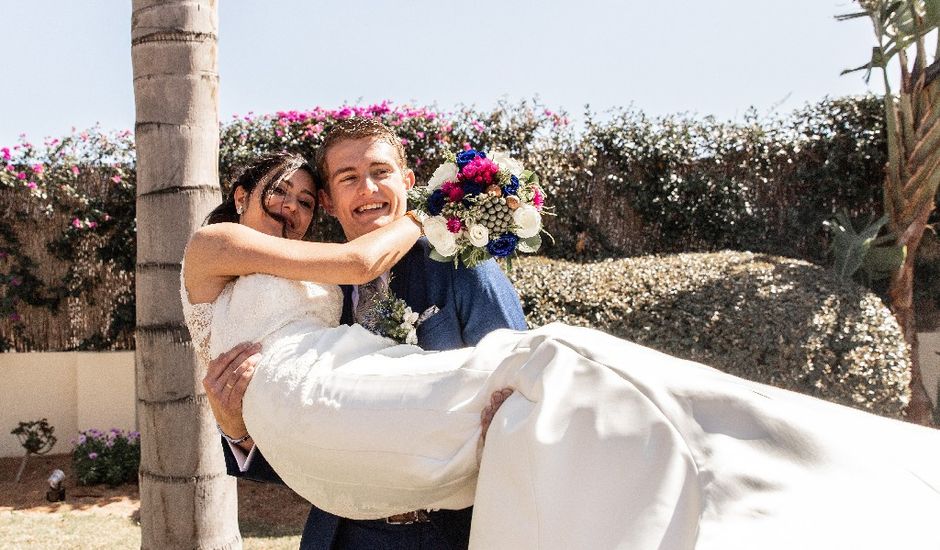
pixel 512 187
pixel 436 202
pixel 502 246
pixel 471 188
pixel 464 157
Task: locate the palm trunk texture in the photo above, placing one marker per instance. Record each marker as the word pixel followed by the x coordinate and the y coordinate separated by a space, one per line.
pixel 187 500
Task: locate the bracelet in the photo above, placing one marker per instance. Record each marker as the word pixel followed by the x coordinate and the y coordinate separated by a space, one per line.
pixel 416 217
pixel 230 439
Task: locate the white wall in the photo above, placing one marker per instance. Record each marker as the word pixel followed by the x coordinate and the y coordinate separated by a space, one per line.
pixel 928 344
pixel 74 391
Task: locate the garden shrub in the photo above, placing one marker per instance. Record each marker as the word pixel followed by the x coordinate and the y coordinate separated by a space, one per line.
pixel 777 321
pixel 622 184
pixel 111 457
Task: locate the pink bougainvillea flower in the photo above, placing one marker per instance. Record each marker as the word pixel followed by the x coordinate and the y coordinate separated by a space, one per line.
pixel 10 168
pixel 21 176
pixel 6 153
pixel 454 225
pixel 420 135
pixel 116 179
pixel 37 168
pixel 32 185
pixel 75 170
pixel 76 223
pixel 466 146
pixel 92 225
pixel 478 126
pixel 404 141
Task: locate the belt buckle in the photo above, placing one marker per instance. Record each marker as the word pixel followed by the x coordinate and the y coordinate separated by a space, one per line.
pixel 409 518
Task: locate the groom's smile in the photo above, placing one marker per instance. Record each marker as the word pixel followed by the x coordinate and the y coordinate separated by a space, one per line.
pixel 367 185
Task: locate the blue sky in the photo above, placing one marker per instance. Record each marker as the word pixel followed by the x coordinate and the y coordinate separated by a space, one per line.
pixel 68 63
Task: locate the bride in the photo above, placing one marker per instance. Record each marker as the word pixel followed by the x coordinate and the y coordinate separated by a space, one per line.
pixel 603 444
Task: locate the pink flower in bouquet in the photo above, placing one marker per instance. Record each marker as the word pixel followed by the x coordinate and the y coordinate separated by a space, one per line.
pixel 480 170
pixel 454 225
pixel 76 223
pixel 21 176
pixel 455 194
pixel 37 168
pixel 538 199
pixel 116 179
pixel 6 153
pixel 74 170
pixel 31 185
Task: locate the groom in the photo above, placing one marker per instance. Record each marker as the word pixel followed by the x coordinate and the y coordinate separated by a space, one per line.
pixel 366 179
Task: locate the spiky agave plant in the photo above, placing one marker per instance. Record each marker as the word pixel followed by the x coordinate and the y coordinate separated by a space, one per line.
pixel 903 28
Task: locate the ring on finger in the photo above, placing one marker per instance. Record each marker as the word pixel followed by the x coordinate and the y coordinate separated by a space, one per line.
pixel 229 385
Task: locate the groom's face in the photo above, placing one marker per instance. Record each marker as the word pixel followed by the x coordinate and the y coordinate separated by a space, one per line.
pixel 367 185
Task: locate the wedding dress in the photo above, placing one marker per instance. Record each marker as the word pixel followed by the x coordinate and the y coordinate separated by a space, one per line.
pixel 604 444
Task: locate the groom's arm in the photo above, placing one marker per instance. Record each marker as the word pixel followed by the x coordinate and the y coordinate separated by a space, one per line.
pixel 227 377
pixel 486 301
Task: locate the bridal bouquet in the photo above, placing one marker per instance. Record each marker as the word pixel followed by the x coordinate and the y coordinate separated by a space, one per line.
pixel 478 207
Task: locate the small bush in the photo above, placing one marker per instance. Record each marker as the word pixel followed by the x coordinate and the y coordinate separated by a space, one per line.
pixel 112 457
pixel 773 320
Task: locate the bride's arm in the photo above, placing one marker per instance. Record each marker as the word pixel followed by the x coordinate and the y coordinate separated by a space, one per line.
pixel 228 250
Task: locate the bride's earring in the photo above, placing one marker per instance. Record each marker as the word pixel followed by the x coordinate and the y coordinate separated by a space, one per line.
pixel 239 209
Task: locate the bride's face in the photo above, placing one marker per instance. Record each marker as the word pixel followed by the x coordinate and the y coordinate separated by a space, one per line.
pixel 292 199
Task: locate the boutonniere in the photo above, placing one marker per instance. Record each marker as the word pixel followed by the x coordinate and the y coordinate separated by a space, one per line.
pixel 391 317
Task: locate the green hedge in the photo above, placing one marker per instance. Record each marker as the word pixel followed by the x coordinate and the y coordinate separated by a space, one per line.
pixel 621 184
pixel 774 320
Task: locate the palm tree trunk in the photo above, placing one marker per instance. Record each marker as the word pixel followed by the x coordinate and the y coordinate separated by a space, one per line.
pixel 187 501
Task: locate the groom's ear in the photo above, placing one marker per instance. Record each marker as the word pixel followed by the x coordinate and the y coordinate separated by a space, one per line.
pixel 327 202
pixel 409 178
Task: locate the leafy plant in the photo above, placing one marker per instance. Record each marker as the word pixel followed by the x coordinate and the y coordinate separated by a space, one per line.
pixel 36 437
pixel 111 457
pixel 912 118
pixel 875 257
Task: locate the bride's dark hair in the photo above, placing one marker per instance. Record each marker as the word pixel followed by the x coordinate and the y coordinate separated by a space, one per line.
pixel 268 171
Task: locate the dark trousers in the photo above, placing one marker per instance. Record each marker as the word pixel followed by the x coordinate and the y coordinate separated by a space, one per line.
pixel 447 530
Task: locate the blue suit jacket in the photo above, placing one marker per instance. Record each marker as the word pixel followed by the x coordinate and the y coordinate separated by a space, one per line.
pixel 472 302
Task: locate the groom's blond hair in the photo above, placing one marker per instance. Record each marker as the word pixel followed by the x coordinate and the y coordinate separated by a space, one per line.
pixel 357 128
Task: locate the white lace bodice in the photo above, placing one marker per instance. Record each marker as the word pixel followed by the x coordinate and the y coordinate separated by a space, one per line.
pixel 253 307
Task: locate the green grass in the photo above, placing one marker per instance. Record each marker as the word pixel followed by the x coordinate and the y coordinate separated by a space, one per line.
pixel 70 530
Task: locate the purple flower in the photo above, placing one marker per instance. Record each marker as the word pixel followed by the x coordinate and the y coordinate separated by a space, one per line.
pixel 82 439
pixel 502 246
pixel 93 455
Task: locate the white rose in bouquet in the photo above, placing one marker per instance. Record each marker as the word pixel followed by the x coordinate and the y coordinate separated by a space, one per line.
pixel 444 172
pixel 505 162
pixel 528 220
pixel 443 241
pixel 478 235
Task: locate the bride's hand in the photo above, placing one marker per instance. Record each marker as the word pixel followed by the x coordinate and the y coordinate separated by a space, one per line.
pixel 487 414
pixel 226 380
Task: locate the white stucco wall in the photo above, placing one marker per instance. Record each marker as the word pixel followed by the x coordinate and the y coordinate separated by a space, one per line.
pixel 74 391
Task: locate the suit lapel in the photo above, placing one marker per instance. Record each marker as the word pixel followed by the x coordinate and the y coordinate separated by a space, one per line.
pixel 347 317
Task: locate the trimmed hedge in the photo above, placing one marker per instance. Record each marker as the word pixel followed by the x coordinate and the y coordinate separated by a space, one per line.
pixel 773 320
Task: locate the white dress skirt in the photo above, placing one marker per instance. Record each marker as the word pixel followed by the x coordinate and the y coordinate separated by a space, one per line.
pixel 604 444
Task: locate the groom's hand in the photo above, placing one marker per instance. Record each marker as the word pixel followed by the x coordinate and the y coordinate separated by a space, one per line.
pixel 487 414
pixel 226 380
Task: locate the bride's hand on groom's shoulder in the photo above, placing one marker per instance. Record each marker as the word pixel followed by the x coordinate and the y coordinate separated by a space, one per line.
pixel 226 380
